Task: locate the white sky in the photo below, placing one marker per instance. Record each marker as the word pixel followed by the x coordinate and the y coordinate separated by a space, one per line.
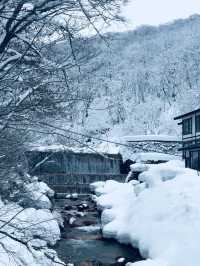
pixel 155 12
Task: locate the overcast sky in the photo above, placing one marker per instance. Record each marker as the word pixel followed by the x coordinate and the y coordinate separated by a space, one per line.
pixel 155 12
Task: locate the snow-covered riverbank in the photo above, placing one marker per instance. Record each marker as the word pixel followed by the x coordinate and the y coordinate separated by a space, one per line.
pixel 159 216
pixel 26 233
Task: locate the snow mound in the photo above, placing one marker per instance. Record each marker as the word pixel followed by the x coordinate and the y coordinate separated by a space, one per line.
pixel 162 220
pixel 105 187
pixel 162 172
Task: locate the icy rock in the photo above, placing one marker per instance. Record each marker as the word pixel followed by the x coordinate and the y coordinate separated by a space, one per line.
pixel 72 220
pixel 74 196
pixel 82 206
pixel 121 260
pixel 80 214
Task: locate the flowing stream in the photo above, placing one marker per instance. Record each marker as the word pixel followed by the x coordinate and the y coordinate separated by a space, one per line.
pixel 82 243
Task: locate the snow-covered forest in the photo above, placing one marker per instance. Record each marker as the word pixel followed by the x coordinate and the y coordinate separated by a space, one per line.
pixel 139 80
pixel 117 84
pixel 68 88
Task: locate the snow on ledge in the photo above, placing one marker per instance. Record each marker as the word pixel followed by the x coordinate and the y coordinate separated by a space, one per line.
pixel 153 156
pixel 163 138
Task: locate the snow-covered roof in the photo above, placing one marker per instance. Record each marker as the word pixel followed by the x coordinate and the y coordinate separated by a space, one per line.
pixel 186 114
pixel 59 147
pixel 164 138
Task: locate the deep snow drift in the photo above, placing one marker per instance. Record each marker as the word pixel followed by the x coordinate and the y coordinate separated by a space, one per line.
pixel 159 216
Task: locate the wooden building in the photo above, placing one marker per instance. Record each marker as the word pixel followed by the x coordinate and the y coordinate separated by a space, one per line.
pixel 191 138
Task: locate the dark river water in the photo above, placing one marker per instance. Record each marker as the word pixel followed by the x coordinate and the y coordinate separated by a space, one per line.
pixel 82 243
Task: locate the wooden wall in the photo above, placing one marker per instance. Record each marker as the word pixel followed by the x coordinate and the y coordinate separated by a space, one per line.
pixel 73 163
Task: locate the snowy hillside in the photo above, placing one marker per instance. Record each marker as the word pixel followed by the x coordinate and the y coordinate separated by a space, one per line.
pixel 140 80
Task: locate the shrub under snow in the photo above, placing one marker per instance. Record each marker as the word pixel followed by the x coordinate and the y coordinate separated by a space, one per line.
pixel 37 195
pixel 27 233
pixel 161 216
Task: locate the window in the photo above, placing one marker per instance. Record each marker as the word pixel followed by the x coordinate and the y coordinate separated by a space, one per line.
pixel 187 126
pixel 197 123
pixel 195 160
pixel 188 143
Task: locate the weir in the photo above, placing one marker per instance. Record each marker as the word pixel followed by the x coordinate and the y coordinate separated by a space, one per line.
pixel 67 171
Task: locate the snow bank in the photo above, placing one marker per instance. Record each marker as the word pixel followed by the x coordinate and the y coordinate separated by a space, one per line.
pixel 162 220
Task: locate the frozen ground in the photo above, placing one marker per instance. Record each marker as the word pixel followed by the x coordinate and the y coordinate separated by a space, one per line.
pixel 159 216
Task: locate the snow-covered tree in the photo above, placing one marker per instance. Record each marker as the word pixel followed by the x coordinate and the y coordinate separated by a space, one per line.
pixel 36 82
